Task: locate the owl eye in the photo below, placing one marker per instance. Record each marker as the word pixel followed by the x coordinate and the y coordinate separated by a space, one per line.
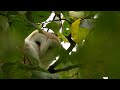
pixel 38 43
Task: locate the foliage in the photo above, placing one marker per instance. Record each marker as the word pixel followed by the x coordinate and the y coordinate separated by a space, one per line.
pixel 96 42
pixel 78 33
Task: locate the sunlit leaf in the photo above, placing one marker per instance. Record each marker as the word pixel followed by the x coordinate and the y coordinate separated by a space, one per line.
pixel 61 36
pixel 76 14
pixel 78 33
pixel 66 28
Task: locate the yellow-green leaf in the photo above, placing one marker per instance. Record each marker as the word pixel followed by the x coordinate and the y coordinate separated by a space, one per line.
pixel 78 33
pixel 61 36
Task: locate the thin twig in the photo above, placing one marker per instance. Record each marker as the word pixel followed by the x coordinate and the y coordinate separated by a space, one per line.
pixel 29 60
pixel 65 20
pixel 33 24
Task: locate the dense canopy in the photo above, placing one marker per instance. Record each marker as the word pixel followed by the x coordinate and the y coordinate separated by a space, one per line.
pixel 93 38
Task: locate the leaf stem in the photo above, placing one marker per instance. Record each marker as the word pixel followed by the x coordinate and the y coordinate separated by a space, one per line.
pixel 33 24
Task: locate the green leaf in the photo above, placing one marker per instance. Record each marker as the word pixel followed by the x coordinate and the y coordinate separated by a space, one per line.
pixel 15 71
pixel 66 26
pixel 66 15
pixel 9 51
pixel 1 73
pixel 61 36
pixel 4 25
pixel 39 26
pixel 101 48
pixel 42 75
pixel 90 14
pixel 40 16
pixel 36 67
pixel 78 33
pixel 18 17
pixel 54 26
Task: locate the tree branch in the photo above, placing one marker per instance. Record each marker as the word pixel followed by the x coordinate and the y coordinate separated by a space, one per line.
pixel 67 68
pixel 72 45
pixel 65 20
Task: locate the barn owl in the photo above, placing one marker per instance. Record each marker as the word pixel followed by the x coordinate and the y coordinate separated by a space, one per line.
pixel 42 48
